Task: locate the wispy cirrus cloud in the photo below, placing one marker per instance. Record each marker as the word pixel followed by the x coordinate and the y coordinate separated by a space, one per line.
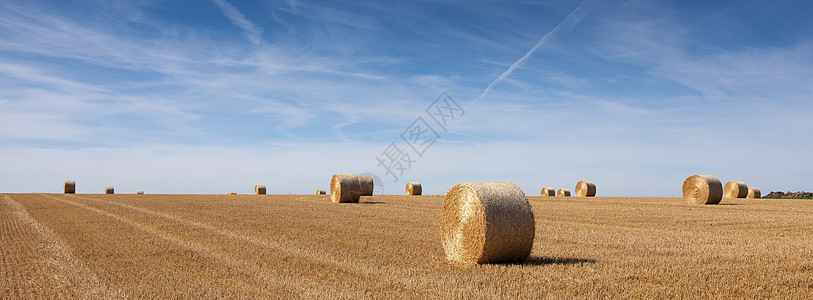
pixel 252 32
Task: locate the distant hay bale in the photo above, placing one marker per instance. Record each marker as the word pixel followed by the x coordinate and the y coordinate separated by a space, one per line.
pixel 702 189
pixel 259 189
pixel 232 193
pixel 109 190
pixel 366 185
pixel 139 192
pixel 321 192
pixel 345 188
pixel 753 193
pixel 487 223
pixel 585 189
pixel 435 194
pixel 735 189
pixel 413 188
pixel 548 192
pixel 563 193
pixel 69 187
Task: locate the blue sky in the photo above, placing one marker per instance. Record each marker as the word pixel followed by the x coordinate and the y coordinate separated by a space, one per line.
pixel 220 95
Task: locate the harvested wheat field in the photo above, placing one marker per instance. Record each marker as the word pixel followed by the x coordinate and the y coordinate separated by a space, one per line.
pixel 305 246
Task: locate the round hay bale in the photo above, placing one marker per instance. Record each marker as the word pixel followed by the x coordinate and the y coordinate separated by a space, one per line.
pixel 548 192
pixel 69 187
pixel 321 192
pixel 702 189
pixel 259 189
pixel 487 223
pixel 345 188
pixel 563 193
pixel 365 185
pixel 585 189
pixel 232 193
pixel 109 190
pixel 735 189
pixel 413 188
pixel 435 194
pixel 139 192
pixel 753 193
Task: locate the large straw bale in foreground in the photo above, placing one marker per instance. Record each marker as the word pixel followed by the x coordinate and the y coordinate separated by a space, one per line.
pixel 585 189
pixel 345 188
pixel 413 188
pixel 487 223
pixel 548 192
pixel 563 193
pixel 753 193
pixel 69 187
pixel 702 189
pixel 365 185
pixel 259 189
pixel 109 190
pixel 735 189
pixel 321 192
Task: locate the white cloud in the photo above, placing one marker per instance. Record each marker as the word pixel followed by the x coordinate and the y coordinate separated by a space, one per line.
pixel 252 32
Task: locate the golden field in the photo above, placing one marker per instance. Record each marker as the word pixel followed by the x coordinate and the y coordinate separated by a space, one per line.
pixel 304 246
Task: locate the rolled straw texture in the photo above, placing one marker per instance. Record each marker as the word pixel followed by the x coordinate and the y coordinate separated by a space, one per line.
pixel 585 189
pixel 702 189
pixel 563 193
pixel 487 223
pixel 548 192
pixel 321 192
pixel 754 193
pixel 69 187
pixel 259 189
pixel 344 188
pixel 735 189
pixel 109 190
pixel 413 188
pixel 365 185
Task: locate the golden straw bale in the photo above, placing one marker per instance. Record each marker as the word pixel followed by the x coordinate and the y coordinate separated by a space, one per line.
pixel 139 192
pixel 563 193
pixel 109 190
pixel 753 193
pixel 735 189
pixel 232 193
pixel 585 189
pixel 702 189
pixel 345 188
pixel 321 192
pixel 413 188
pixel 487 223
pixel 259 189
pixel 548 192
pixel 69 187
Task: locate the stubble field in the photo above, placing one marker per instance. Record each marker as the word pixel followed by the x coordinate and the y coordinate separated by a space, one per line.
pixel 303 246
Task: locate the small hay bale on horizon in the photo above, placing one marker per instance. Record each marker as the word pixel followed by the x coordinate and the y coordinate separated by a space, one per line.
pixel 735 189
pixel 139 192
pixel 69 187
pixel 548 192
pixel 259 189
pixel 109 190
pixel 232 193
pixel 754 193
pixel 487 223
pixel 413 188
pixel 345 188
pixel 585 189
pixel 563 193
pixel 365 185
pixel 702 189
pixel 321 192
